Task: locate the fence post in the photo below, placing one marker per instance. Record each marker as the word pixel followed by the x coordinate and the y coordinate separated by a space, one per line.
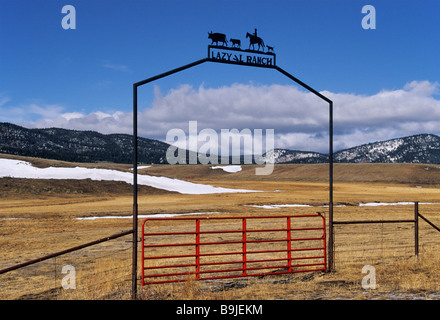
pixel 416 229
pixel 289 245
pixel 197 249
pixel 244 247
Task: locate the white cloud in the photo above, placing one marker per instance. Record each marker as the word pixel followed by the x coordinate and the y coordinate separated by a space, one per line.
pixel 22 114
pixel 299 118
pixel 72 115
pixel 117 122
pixel 45 111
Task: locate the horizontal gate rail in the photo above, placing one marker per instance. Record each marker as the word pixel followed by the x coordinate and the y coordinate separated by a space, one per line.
pixel 188 255
pixel 54 255
pixel 373 221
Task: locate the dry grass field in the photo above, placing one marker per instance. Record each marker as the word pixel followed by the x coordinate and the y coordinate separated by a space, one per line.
pixel 39 217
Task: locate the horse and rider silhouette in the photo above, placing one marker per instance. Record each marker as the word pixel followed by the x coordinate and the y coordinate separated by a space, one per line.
pixel 254 39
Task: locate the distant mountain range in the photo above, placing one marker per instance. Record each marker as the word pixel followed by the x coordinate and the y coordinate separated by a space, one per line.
pixel 91 146
pixel 421 148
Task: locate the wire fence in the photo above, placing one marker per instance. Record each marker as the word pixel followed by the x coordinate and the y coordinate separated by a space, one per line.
pixel 101 271
pixel 391 236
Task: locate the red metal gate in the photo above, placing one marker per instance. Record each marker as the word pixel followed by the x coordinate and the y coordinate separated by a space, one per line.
pixel 202 248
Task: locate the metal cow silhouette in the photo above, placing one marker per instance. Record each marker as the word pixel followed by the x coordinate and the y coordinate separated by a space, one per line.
pixel 236 43
pixel 255 40
pixel 217 37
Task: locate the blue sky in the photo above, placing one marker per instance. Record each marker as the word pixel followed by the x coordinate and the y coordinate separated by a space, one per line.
pixel 82 78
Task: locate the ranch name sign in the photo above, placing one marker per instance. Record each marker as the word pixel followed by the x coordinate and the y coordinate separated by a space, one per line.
pixel 242 57
pixel 258 54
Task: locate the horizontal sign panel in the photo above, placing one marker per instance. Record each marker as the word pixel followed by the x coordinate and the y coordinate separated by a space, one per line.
pixel 244 57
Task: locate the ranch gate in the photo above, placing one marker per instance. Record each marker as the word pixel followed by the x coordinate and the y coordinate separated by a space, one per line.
pixel 235 56
pixel 207 248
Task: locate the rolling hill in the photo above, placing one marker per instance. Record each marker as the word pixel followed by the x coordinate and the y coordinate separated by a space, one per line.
pixel 78 146
pixel 91 146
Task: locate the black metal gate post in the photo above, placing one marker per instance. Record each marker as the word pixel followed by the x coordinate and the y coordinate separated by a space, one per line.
pixel 135 196
pixel 416 229
pixel 330 205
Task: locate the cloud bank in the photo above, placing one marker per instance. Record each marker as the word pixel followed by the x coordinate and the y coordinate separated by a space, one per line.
pixel 299 118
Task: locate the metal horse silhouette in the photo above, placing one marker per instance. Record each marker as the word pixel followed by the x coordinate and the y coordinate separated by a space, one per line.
pixel 254 39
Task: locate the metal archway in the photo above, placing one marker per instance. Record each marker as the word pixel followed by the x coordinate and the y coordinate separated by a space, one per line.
pixel 237 61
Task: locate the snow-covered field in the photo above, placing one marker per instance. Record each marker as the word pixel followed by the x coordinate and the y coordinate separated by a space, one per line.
pixel 22 169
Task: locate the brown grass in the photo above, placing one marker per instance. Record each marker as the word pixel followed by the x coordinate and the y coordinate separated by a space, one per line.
pixel 44 221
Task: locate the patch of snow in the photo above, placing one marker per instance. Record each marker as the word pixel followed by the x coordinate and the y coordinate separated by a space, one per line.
pixel 369 204
pixel 276 206
pixel 230 169
pixel 142 167
pixel 21 169
pixel 145 216
pixel 376 204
